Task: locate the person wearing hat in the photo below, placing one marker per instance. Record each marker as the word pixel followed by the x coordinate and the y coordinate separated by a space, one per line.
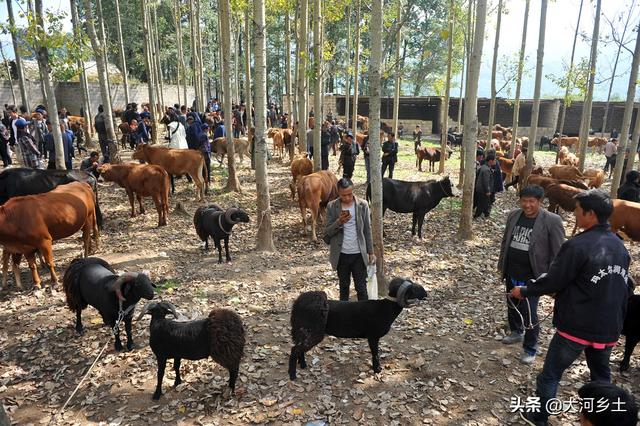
pixel 205 148
pixel 30 156
pixel 389 154
pixel 610 153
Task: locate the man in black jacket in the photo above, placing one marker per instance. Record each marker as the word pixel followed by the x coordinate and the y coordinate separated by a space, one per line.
pixel 630 191
pixel 389 154
pixel 589 278
pixel 484 187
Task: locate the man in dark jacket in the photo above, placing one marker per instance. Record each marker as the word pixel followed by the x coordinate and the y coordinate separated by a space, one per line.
pixel 325 142
pixel 630 191
pixel 101 130
pixel 484 187
pixel 389 154
pixel 589 278
pixel 532 237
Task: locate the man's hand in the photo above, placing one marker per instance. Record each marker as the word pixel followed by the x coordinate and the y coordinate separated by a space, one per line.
pixel 344 217
pixel 372 259
pixel 515 292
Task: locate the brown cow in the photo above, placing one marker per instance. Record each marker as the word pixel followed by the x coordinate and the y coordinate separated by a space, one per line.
pixel 219 147
pixel 570 160
pixel 506 165
pixel 278 144
pixel 143 180
pixel 626 218
pixel 432 155
pixel 595 178
pixel 546 181
pixel 565 141
pixel 561 195
pixel 566 172
pixel 314 193
pixel 176 162
pixel 300 166
pixel 30 224
pixel 596 142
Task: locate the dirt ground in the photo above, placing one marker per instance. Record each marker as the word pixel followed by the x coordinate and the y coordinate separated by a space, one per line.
pixel 442 361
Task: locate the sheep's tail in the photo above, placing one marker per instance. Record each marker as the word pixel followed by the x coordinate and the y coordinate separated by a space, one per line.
pixel 71 282
pixel 309 316
pixel 198 220
pixel 227 338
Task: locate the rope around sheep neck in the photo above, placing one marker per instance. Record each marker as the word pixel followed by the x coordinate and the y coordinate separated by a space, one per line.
pixel 221 227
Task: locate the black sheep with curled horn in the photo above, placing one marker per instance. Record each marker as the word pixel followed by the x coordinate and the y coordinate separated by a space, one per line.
pixel 313 317
pixel 212 221
pixel 92 281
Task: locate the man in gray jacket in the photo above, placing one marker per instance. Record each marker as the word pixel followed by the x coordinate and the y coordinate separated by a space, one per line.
pixel 351 247
pixel 532 238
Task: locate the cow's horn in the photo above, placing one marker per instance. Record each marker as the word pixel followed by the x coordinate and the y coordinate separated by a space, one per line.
pixel 117 286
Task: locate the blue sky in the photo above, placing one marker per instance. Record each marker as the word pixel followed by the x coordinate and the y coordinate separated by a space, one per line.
pixel 561 20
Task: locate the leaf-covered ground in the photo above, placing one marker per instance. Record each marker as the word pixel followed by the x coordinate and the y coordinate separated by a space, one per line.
pixel 442 361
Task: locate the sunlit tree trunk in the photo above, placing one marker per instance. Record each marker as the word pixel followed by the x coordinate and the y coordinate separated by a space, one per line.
pixel 233 184
pixel 287 61
pixel 626 123
pixel 585 121
pixel 86 102
pixel 17 56
pixel 567 91
pixel 247 81
pixel 158 66
pixel 264 237
pixel 516 102
pixel 317 91
pixel 356 69
pixel 347 68
pixel 302 53
pixel 398 76
pixel 147 51
pixel 494 67
pixel 466 54
pixel 123 60
pixel 447 89
pixel 181 61
pixel 471 122
pixel 103 36
pixel 8 71
pixel 42 54
pixel 535 112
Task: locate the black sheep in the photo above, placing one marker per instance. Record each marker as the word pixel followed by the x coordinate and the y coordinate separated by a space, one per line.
pixel 313 317
pixel 221 336
pixel 631 330
pixel 92 281
pixel 212 221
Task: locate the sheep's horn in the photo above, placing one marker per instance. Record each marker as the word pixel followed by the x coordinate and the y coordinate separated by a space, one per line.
pixel 145 309
pixel 229 213
pixel 172 308
pixel 117 286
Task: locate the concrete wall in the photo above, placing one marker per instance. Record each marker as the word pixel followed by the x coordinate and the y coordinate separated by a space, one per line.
pixel 69 95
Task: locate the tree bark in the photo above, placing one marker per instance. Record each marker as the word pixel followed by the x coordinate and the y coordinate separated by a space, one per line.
pixel 233 184
pixel 396 95
pixel 302 75
pixel 42 55
pixel 494 67
pixel 356 71
pixel 447 88
pixel 287 61
pixel 585 121
pixel 264 237
pixel 123 60
pixel 147 46
pixel 516 104
pixel 466 49
pixel 247 82
pixel 156 55
pixel 374 136
pixel 8 71
pixel 181 50
pixel 84 87
pixel 347 77
pixel 626 123
pixel 17 56
pixel 535 112
pixel 102 74
pixel 563 113
pixel 471 122
pixel 317 90
pixel 194 55
pixel 103 37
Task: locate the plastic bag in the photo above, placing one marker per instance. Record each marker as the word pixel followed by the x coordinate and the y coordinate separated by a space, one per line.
pixel 372 282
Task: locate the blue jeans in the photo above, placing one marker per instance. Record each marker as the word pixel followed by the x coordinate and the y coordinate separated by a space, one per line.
pixel 561 354
pixel 530 343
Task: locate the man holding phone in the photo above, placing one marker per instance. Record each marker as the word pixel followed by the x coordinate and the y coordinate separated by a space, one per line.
pixel 348 232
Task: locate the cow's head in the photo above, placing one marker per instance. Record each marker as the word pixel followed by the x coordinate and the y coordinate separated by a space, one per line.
pixel 139 153
pixel 447 186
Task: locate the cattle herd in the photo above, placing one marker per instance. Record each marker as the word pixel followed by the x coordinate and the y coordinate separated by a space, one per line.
pixel 42 206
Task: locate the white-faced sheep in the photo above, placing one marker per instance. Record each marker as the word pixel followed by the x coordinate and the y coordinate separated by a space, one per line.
pixel 220 336
pixel 313 317
pixel 212 221
pixel 92 281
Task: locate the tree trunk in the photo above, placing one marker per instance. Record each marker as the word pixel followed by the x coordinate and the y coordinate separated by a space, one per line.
pixel 563 113
pixel 203 100
pixel 516 104
pixel 287 61
pixel 356 72
pixel 103 37
pixel 471 122
pixel 633 148
pixel 42 54
pixel 147 52
pixel 233 184
pixel 194 56
pixel 123 61
pixel 447 88
pixel 302 52
pixel 396 95
pixel 102 75
pixel 181 50
pixel 615 67
pixel 535 112
pixel 494 67
pixel 247 83
pixel 8 70
pixel 347 77
pixel 466 49
pixel 626 123
pixel 17 56
pixel 585 121
pixel 156 50
pixel 317 90
pixel 86 101
pixel 264 237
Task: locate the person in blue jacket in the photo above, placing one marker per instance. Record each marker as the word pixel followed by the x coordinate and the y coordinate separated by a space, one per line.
pixel 67 144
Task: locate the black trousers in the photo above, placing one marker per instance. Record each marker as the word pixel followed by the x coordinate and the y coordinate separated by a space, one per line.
pixel 207 164
pixel 347 166
pixel 483 204
pixel 391 165
pixel 352 265
pixel 530 343
pixel 4 153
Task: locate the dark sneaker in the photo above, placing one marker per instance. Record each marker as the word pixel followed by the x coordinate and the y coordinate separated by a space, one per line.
pixel 514 337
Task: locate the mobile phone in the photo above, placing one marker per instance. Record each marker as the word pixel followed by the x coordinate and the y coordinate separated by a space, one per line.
pixel 346 212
